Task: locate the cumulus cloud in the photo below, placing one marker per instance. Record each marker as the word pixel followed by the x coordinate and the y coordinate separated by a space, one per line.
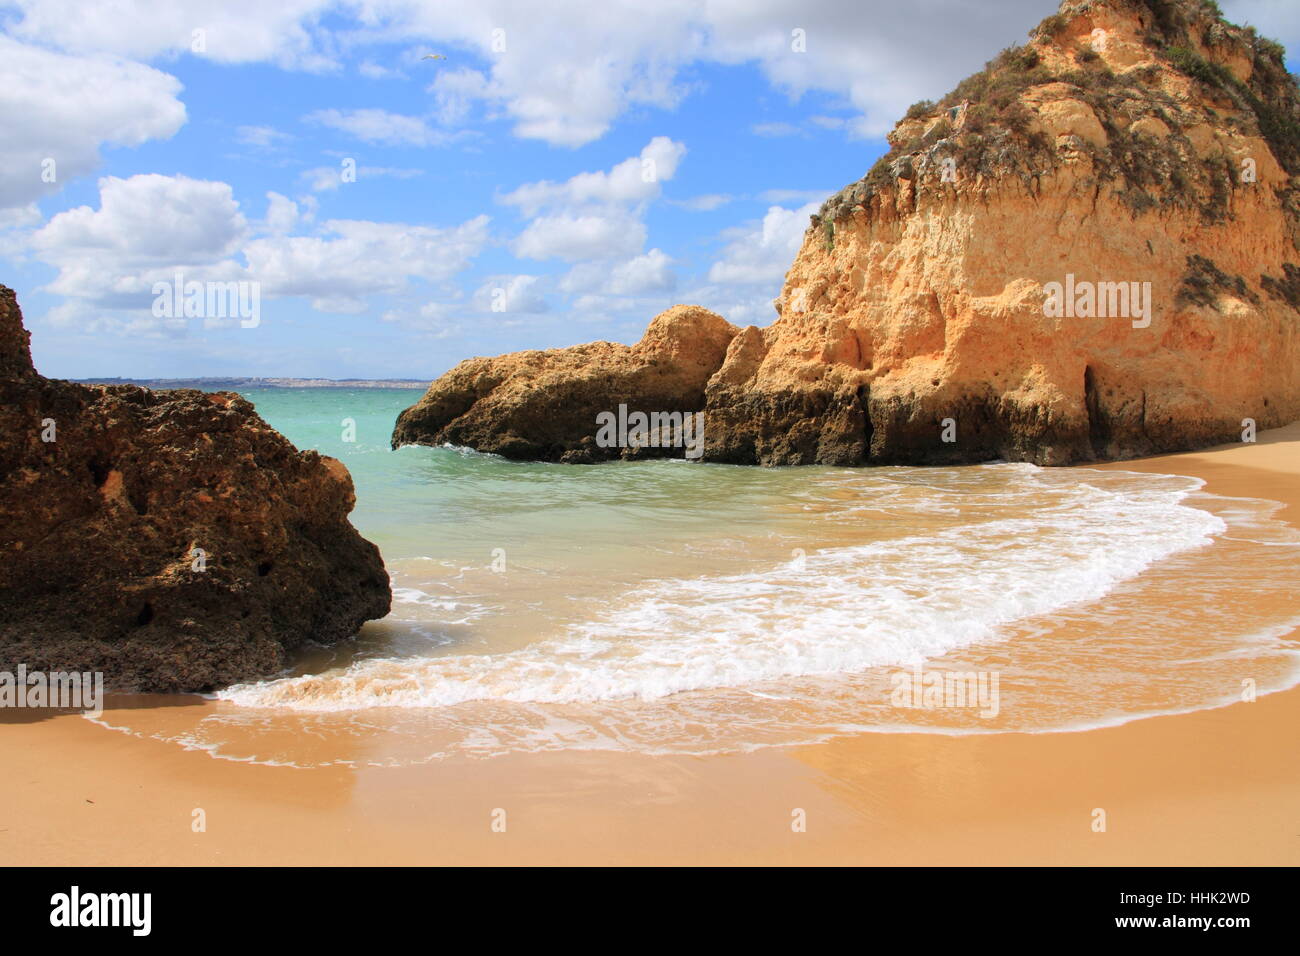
pixel 281 214
pixel 59 110
pixel 595 215
pixel 740 305
pixel 763 251
pixel 639 275
pixel 13 221
pixel 564 71
pixel 286 32
pixel 352 259
pixel 455 92
pixel 149 227
pixel 511 294
pixel 636 179
pixel 574 237
pixel 110 255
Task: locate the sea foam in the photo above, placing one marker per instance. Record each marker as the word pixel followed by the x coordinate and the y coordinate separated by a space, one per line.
pixel 1061 541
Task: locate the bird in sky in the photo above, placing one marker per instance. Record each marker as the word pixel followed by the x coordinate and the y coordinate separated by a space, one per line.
pixel 433 56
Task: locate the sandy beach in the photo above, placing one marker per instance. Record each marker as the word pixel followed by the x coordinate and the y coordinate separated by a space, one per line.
pixel 1213 787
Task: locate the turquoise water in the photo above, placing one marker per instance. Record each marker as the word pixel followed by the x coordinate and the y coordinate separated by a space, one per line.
pixel 684 607
pixel 423 502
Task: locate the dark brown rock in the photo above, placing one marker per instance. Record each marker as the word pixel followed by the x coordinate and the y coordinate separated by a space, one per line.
pixel 99 530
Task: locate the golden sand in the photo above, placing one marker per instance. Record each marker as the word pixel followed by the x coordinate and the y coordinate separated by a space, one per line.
pixel 1212 787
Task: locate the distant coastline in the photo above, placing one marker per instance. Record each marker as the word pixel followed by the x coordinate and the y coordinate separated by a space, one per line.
pixel 211 384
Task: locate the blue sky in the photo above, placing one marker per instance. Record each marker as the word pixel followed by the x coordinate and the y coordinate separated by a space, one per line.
pixel 583 166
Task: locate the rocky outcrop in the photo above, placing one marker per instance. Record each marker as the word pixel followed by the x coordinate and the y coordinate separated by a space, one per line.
pixel 1089 250
pixel 543 405
pixel 172 540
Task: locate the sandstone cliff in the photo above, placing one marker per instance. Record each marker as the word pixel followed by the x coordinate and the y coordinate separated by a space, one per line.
pixel 1091 249
pixel 171 540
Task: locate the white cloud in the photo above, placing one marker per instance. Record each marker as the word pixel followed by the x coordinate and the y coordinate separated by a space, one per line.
pixel 281 214
pixel 569 68
pixel 575 237
pixel 564 71
pixel 706 203
pixel 19 217
pixel 149 227
pixel 323 178
pixel 455 92
pixel 511 294
pixel 352 259
pixel 763 251
pixel 773 130
pixel 285 32
pixel 596 215
pixel 783 196
pixel 261 137
pixel 435 318
pixel 142 222
pixel 640 275
pixel 373 71
pixel 380 127
pixel 739 305
pixel 880 62
pixel 829 122
pixel 64 108
pixel 636 179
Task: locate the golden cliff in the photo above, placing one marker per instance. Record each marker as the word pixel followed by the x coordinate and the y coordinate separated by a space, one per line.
pixel 1091 249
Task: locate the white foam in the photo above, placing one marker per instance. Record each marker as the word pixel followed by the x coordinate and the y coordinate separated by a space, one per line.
pixel 895 602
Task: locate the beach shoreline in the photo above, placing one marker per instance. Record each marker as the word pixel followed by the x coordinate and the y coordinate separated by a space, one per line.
pixel 1210 787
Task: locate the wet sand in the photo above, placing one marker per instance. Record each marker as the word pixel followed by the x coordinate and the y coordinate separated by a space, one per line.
pixel 1214 787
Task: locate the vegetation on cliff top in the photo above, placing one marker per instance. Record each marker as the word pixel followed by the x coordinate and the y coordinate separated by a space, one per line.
pixel 986 128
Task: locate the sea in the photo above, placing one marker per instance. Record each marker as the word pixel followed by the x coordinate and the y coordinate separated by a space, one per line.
pixel 676 607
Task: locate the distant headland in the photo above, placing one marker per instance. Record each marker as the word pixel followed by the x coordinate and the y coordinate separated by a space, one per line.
pixel 218 384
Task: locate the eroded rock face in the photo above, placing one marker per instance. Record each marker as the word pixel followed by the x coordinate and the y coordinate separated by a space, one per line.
pixel 172 540
pixel 1142 149
pixel 543 405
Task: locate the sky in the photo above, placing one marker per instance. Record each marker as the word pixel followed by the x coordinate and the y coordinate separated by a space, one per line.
pixel 561 173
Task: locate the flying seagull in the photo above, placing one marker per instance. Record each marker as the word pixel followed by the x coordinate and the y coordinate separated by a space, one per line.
pixel 433 56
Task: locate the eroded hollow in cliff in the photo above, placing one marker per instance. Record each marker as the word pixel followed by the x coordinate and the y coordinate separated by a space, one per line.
pixel 139 499
pixel 1098 426
pixel 99 471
